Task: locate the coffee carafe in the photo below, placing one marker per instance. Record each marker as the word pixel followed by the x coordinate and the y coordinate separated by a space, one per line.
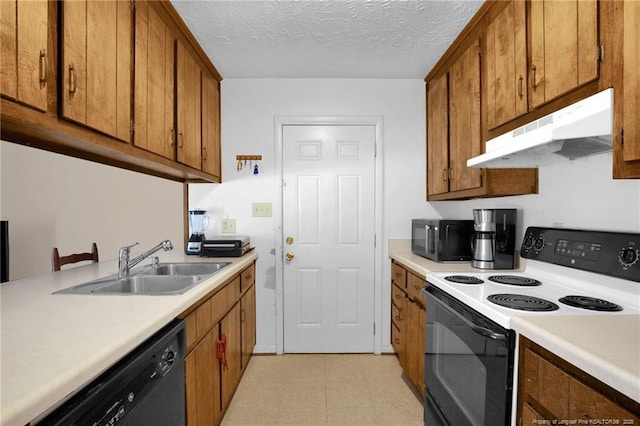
pixel 493 241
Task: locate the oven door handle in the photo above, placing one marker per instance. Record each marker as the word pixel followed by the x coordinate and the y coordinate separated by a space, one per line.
pixel 475 327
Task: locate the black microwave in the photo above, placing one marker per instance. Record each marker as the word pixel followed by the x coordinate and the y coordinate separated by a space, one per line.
pixel 442 240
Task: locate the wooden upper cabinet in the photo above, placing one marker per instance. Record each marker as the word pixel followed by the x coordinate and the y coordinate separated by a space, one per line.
pixel 189 108
pixel 506 64
pixel 564 47
pixel 96 65
pixel 438 136
pixel 154 83
pixel 211 126
pixel 464 119
pixel 631 81
pixel 24 68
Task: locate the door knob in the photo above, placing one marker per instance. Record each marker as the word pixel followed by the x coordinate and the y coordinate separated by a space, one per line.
pixel 289 256
pixel 289 240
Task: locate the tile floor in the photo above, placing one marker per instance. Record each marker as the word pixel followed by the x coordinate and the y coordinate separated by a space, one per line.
pixel 324 390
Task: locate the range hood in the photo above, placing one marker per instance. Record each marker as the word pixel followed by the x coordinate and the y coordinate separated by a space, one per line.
pixel 579 130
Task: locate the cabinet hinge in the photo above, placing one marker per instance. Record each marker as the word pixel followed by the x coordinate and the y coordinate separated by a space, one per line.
pixel 621 136
pixel 601 53
pixel 375 150
pixel 131 127
pixel 133 5
pixel 374 328
pixel 375 240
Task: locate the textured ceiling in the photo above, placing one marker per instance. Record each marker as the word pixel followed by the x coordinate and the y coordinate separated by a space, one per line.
pixel 315 39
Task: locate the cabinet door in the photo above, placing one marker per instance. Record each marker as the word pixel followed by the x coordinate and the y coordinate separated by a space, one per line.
pixel 96 57
pixel 154 83
pixel 202 381
pixel 464 119
pixel 230 327
pixel 414 346
pixel 24 67
pixel 189 108
pixel 631 81
pixel 211 125
pixel 506 65
pixel 438 136
pixel 564 47
pixel 248 321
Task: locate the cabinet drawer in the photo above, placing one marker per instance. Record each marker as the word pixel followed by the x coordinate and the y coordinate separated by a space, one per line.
pixel 398 298
pixel 233 292
pixel 247 278
pixel 414 287
pixel 586 403
pixel 531 366
pixel 203 319
pixel 396 339
pixel 399 275
pixel 396 316
pixel 554 389
pixel 218 305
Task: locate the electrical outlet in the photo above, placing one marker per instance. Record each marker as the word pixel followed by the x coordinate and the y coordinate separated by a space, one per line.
pixel 228 226
pixel 261 209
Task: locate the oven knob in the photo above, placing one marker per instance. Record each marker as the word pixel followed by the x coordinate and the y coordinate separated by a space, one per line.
pixel 539 245
pixel 528 242
pixel 628 257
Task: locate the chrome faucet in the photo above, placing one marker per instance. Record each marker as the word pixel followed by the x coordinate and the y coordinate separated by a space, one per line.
pixel 125 263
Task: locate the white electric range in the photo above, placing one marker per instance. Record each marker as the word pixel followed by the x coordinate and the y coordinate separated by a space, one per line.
pixel 568 272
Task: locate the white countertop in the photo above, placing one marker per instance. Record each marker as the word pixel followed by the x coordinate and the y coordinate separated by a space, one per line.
pixel 53 345
pixel 606 347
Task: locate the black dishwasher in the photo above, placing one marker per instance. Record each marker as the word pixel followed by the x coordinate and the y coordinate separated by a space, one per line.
pixel 145 388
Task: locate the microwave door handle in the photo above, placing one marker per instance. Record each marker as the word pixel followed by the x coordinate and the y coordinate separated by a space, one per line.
pixel 427 231
pixel 475 327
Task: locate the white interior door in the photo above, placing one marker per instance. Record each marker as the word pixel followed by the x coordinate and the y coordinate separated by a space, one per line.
pixel 328 227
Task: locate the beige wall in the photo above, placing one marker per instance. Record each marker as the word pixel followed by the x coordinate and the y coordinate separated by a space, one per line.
pixel 53 200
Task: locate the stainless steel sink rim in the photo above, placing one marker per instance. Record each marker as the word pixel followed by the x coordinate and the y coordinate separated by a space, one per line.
pixel 148 282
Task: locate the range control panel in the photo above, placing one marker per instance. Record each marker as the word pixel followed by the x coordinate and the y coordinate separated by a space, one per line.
pixel 615 254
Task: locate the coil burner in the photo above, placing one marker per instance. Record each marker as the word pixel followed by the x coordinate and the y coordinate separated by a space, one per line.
pixel 591 303
pixel 463 279
pixel 514 280
pixel 522 302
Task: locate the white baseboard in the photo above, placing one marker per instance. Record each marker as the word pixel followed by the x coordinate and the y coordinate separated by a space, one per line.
pixel 264 349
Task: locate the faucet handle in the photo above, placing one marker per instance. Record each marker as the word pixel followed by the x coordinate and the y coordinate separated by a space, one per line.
pixel 125 250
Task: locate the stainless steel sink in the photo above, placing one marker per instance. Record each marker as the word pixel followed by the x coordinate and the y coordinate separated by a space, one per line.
pixel 165 279
pixel 185 268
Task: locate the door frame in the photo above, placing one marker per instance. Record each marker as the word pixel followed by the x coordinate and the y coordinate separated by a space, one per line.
pixel 279 123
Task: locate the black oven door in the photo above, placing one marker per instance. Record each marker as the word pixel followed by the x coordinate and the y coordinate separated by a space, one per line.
pixel 468 369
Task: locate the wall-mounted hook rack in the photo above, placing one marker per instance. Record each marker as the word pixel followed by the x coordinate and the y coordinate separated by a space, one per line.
pixel 248 157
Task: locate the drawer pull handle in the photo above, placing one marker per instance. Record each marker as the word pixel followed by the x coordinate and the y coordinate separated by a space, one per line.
pixel 73 80
pixel 44 65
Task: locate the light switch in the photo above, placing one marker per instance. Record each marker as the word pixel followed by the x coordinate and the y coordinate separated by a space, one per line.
pixel 261 209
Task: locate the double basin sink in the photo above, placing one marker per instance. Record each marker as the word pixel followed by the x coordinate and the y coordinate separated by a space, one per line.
pixel 163 279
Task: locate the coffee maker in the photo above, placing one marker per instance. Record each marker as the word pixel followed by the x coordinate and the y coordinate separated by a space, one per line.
pixel 494 238
pixel 198 220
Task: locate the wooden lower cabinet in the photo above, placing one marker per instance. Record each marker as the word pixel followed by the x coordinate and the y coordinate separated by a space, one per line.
pixel 217 331
pixel 553 391
pixel 408 316
pixel 230 329
pixel 202 373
